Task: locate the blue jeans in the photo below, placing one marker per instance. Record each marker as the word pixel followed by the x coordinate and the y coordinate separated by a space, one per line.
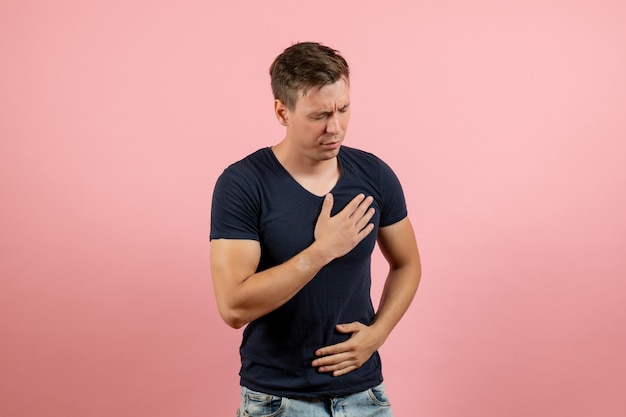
pixel 370 403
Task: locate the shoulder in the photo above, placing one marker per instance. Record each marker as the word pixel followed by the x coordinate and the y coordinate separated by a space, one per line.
pixel 249 169
pixel 354 153
pixel 252 162
pixel 363 160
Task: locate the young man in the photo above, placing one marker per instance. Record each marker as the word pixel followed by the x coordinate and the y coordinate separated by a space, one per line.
pixel 293 227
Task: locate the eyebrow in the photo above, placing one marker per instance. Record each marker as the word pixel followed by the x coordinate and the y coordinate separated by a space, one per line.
pixel 326 112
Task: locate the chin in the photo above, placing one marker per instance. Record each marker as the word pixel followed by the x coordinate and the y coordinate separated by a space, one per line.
pixel 324 156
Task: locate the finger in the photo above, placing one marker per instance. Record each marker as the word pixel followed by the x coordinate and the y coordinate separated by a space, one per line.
pixel 361 209
pixel 340 367
pixel 349 327
pixel 327 206
pixel 353 205
pixel 344 370
pixel 332 362
pixel 364 220
pixel 332 349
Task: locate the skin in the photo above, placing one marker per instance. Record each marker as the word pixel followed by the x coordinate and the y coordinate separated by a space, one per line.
pixel 314 131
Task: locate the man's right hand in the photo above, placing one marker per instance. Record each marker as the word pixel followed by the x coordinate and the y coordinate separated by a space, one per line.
pixel 244 294
pixel 340 233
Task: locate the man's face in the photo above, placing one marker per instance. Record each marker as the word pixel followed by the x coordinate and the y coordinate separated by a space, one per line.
pixel 318 123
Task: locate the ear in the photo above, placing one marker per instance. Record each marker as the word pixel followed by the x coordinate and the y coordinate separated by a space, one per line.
pixel 282 112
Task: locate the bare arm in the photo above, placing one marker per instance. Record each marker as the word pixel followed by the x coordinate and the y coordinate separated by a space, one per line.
pixel 398 245
pixel 243 295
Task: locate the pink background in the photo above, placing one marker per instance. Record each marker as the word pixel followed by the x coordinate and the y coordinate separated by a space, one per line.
pixel 505 122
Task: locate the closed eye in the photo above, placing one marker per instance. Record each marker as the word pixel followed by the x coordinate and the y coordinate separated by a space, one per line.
pixel 326 114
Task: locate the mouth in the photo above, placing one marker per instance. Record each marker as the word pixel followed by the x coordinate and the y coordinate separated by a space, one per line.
pixel 331 145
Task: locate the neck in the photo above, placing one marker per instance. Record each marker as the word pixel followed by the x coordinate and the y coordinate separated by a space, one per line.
pixel 317 176
pixel 299 164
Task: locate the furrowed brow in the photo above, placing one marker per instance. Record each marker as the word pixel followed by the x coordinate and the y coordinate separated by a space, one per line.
pixel 328 112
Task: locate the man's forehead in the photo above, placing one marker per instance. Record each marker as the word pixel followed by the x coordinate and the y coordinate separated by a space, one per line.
pixel 325 96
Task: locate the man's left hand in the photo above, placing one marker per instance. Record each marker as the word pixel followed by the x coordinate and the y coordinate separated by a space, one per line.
pixel 349 355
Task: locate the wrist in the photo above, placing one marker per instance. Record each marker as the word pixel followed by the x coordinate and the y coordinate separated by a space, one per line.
pixel 319 255
pixel 382 331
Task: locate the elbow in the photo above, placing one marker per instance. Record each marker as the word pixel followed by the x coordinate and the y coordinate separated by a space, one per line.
pixel 232 318
pixel 234 323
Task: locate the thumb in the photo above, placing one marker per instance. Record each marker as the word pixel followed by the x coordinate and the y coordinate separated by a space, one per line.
pixel 327 205
pixel 348 327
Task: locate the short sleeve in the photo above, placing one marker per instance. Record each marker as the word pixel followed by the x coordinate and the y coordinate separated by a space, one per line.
pixel 235 208
pixel 394 206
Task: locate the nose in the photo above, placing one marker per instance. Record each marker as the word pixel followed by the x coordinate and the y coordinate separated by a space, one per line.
pixel 333 127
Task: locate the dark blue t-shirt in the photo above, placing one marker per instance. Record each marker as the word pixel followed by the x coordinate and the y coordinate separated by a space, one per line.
pixel 257 199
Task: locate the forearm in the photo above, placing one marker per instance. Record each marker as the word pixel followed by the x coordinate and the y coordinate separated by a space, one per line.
pixel 265 291
pixel 398 293
pixel 347 356
pixel 244 295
